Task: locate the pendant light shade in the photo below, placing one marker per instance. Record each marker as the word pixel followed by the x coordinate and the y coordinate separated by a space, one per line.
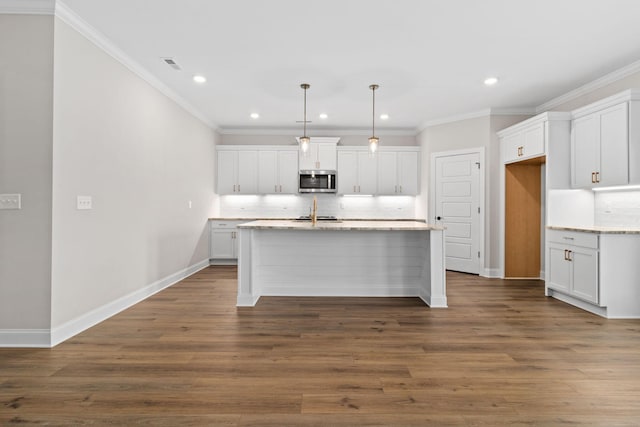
pixel 373 139
pixel 304 139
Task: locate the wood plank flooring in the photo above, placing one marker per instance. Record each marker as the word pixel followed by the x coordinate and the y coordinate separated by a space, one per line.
pixel 502 354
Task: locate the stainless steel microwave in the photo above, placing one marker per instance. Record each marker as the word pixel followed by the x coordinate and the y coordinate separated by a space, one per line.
pixel 317 181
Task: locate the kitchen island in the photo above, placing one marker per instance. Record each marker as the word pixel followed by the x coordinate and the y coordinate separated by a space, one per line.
pixel 341 258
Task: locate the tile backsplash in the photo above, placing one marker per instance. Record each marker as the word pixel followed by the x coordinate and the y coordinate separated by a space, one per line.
pixel 620 208
pixel 292 206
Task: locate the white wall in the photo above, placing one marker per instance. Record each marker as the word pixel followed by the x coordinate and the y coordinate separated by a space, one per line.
pixel 142 158
pixel 26 93
pixel 293 206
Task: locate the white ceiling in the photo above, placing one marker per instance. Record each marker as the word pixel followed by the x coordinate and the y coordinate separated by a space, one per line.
pixel 429 57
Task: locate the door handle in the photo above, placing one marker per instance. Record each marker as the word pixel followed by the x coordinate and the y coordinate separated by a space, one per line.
pixel 438 218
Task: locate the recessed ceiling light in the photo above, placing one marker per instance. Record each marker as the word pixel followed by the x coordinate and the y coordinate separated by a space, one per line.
pixel 490 81
pixel 323 115
pixel 384 116
pixel 255 116
pixel 199 79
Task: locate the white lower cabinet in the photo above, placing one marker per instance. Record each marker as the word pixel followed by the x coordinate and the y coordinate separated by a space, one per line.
pixel 573 269
pixel 223 238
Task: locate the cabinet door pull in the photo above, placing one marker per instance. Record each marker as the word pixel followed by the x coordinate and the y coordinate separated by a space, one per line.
pixel 234 188
pixel 358 188
pixel 281 188
pixel 567 238
pixel 570 258
pixel 566 256
pixel 401 188
pixel 597 177
pixel 238 188
pixel 593 177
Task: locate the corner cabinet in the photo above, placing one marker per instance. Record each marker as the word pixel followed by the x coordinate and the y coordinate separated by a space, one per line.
pixel 398 171
pixel 257 169
pixel 605 142
pixel 237 171
pixel 223 238
pixel 596 270
pixel 572 264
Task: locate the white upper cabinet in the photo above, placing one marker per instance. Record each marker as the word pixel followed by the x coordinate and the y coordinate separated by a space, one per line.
pixel 237 171
pixel 525 143
pixel 322 154
pixel 357 172
pixel 278 171
pixel 605 142
pixel 600 145
pixel 398 172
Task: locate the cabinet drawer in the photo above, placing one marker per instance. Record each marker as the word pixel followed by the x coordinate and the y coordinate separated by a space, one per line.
pixel 214 224
pixel 574 238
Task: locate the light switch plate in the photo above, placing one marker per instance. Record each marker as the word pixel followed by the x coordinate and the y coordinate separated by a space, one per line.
pixel 10 201
pixel 84 202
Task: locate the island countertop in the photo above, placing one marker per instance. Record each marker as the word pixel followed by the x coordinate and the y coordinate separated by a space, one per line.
pixel 345 225
pixel 598 229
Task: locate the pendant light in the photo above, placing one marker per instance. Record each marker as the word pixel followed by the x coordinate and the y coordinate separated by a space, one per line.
pixel 373 139
pixel 304 139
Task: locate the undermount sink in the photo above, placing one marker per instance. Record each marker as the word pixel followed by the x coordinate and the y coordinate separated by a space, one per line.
pixel 318 218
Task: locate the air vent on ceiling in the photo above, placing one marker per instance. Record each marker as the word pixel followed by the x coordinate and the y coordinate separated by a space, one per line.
pixel 170 62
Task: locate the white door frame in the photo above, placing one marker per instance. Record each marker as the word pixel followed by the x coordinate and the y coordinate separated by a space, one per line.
pixel 432 202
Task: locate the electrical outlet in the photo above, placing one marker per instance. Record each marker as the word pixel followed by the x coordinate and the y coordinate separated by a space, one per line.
pixel 84 203
pixel 10 201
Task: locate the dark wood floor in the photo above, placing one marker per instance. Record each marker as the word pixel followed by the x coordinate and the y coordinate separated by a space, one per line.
pixel 502 354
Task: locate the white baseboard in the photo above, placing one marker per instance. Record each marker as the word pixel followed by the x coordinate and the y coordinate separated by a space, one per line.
pixel 38 338
pixel 87 320
pixel 492 273
pixel 46 338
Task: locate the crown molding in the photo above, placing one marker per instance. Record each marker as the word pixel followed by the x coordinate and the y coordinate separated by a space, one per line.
pixel 603 81
pixel 524 111
pixel 334 132
pixel 455 118
pixel 28 7
pixel 64 13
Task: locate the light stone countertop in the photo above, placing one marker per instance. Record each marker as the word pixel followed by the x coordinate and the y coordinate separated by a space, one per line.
pixel 293 218
pixel 390 225
pixel 597 229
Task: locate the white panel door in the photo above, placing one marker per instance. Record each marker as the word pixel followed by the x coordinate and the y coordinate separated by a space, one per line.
pixel 457 204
